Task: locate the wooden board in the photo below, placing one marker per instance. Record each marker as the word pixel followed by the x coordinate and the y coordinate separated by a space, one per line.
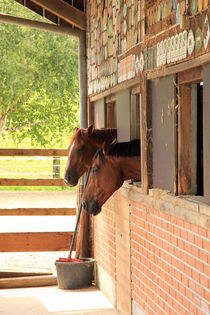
pixel 190 76
pixel 31 182
pixel 35 242
pixel 206 131
pixel 24 282
pixel 90 113
pixel 17 274
pixel 33 152
pixel 65 11
pixel 163 111
pixel 184 139
pixel 146 134
pixel 38 211
pixel 110 115
pixel 122 214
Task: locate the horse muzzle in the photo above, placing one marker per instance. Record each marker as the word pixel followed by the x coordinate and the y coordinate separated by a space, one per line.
pixel 70 180
pixel 92 207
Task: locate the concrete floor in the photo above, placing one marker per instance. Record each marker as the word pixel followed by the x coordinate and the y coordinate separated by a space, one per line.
pixel 51 300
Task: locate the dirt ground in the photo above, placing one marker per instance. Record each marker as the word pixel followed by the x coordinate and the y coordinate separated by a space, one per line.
pixel 37 199
pixel 36 261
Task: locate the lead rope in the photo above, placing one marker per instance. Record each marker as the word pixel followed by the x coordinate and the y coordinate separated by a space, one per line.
pixel 78 216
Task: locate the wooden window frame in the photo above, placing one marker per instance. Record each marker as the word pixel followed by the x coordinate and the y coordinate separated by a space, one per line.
pixel 110 112
pixel 186 169
pixel 135 92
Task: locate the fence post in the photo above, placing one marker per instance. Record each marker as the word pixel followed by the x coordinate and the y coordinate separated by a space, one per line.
pixel 56 166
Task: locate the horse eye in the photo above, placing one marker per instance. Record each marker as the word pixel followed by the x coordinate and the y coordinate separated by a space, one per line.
pixel 94 170
pixel 81 149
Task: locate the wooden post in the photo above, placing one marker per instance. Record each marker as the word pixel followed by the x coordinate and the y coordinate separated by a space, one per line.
pixel 83 239
pixel 56 167
pixel 146 133
pixel 184 139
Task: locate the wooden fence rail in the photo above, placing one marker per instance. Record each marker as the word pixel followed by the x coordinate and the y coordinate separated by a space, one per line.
pixel 36 241
pixel 31 153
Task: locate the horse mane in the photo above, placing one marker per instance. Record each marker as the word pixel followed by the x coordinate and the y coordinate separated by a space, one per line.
pixel 126 149
pixel 122 149
pixel 98 135
pixel 104 134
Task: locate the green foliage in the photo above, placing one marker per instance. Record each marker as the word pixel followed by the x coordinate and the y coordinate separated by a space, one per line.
pixel 39 88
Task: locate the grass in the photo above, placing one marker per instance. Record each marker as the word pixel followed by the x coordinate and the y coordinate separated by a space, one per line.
pixel 31 167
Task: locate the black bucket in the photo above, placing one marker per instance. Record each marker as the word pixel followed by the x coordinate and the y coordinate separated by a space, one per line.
pixel 75 275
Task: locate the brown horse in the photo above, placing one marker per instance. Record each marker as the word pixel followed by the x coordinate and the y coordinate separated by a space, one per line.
pixel 83 146
pixel 109 170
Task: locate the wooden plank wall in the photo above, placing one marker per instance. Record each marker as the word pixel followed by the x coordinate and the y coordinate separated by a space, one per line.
pixel 123 255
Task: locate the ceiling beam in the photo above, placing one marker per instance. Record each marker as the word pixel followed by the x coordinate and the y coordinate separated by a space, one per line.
pixel 5 18
pixel 65 11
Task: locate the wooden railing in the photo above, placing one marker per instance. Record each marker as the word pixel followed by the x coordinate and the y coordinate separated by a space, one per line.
pixel 32 153
pixel 34 241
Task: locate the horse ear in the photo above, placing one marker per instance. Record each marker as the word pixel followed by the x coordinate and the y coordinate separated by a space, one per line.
pixel 105 148
pixel 90 129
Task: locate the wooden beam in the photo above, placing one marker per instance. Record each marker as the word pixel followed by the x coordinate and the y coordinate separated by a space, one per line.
pixel 38 211
pixel 191 76
pixel 33 152
pixel 31 182
pixel 65 11
pixel 182 66
pixel 24 282
pixel 117 88
pixel 17 274
pixel 58 29
pixel 35 241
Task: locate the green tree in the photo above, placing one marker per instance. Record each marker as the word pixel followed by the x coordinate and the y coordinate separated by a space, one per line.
pixel 39 88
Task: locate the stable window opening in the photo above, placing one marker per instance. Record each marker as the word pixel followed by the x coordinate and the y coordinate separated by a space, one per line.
pixel 190 139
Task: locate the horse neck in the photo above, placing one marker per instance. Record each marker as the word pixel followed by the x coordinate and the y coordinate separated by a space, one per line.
pixel 130 167
pixel 99 136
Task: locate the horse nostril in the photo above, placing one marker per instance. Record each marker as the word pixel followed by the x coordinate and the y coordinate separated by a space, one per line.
pixel 85 206
pixel 69 178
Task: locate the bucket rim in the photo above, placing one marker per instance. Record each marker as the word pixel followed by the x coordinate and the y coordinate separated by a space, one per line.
pixel 85 260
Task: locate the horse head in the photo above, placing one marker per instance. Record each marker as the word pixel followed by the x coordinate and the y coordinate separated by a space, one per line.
pixel 81 152
pixel 105 178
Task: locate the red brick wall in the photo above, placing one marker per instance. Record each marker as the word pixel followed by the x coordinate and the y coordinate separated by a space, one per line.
pixel 170 263
pixel 170 257
pixel 104 239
